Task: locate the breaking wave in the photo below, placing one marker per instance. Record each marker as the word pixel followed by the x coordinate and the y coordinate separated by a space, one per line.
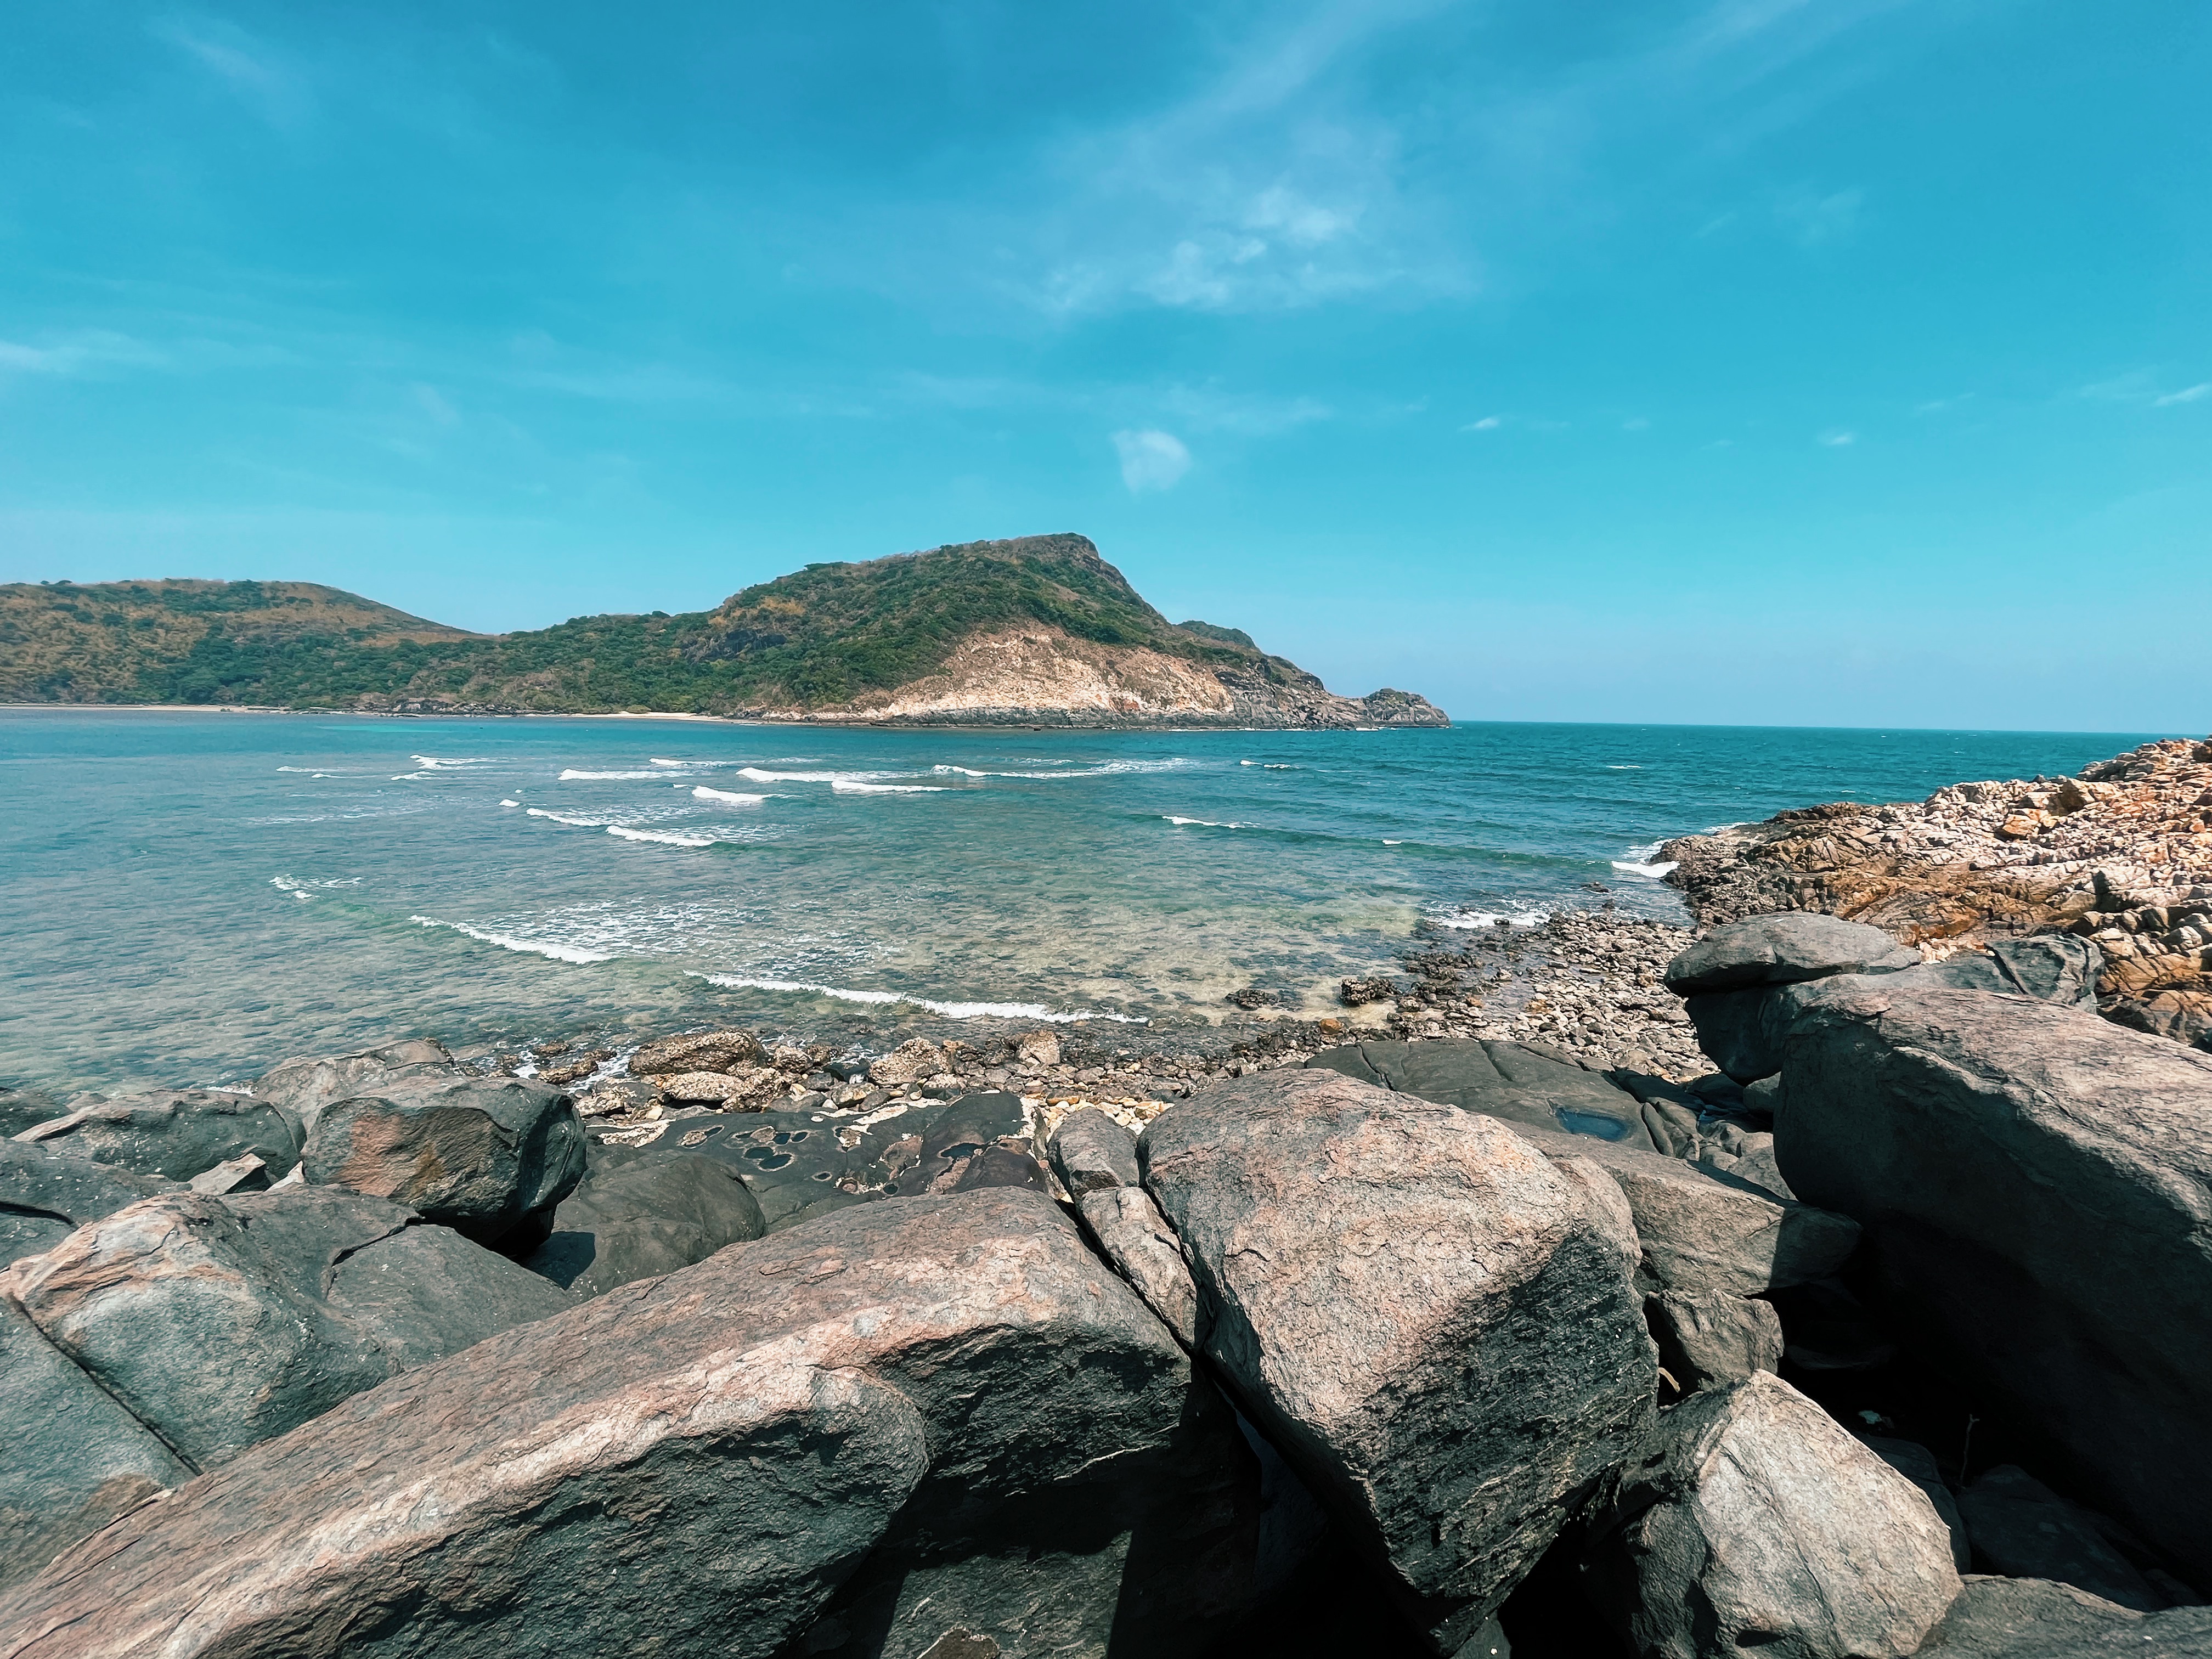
pixel 534 947
pixel 949 1010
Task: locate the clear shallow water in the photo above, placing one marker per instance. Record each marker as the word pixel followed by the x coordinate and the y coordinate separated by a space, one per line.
pixel 192 896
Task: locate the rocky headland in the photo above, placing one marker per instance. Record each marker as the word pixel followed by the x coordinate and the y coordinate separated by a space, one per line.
pixel 1037 630
pixel 1606 1288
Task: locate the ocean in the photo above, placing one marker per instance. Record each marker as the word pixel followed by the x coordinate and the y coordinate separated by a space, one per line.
pixel 191 896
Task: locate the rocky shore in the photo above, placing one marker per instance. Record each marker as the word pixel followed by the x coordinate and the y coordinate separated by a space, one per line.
pixel 2121 854
pixel 1409 1338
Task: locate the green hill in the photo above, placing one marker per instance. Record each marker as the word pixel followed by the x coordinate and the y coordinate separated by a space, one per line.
pixel 814 640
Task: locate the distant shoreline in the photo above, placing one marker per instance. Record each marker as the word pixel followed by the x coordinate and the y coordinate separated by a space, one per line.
pixel 712 719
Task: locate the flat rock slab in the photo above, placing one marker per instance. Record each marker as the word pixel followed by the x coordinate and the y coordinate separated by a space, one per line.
pixel 45 1196
pixel 1784 949
pixel 1753 1521
pixel 2049 966
pixel 693 1464
pixel 1419 1312
pixel 175 1133
pixel 2036 1186
pixel 1711 1233
pixel 1503 1080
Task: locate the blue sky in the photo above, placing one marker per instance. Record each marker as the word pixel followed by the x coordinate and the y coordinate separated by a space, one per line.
pixel 1797 362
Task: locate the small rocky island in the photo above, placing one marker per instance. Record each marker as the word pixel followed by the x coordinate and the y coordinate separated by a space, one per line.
pixel 1792 1284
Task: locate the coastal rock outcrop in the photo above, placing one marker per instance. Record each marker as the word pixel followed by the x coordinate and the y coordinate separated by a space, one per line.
pixel 2034 1618
pixel 1753 1521
pixel 1505 1081
pixel 953 1430
pixel 1726 978
pixel 1418 1312
pixel 2036 1188
pixel 302 1087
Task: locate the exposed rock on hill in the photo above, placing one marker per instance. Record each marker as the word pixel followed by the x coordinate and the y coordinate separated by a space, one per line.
pixel 1037 630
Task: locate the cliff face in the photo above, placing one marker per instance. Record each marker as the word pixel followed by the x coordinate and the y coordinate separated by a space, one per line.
pixel 1036 630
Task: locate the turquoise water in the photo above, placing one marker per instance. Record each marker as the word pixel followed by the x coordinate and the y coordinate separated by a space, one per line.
pixel 191 896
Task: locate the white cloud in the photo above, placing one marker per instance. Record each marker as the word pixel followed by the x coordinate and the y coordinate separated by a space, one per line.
pixel 1150 460
pixel 1837 440
pixel 87 351
pixel 1488 423
pixel 1815 220
pixel 434 405
pixel 2187 395
pixel 243 66
pixel 1636 423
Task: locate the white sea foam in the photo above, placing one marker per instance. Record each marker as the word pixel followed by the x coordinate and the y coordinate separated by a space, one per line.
pixel 1109 769
pixel 1394 843
pixel 949 1010
pixel 854 786
pixel 758 776
pixel 657 761
pixel 1204 823
pixel 1281 766
pixel 571 775
pixel 667 838
pixel 1632 867
pixel 510 803
pixel 730 796
pixel 575 819
pixel 1610 767
pixel 286 884
pixel 535 947
pixel 1473 919
pixel 434 763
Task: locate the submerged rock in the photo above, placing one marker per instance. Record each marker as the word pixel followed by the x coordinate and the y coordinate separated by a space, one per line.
pixel 1419 1313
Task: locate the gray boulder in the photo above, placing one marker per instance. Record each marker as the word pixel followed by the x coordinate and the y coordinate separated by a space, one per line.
pixel 1704 1232
pixel 1707 1340
pixel 75 1459
pixel 222 1323
pixel 2023 1529
pixel 2032 1619
pixel 1130 1232
pixel 1737 1030
pixel 176 1133
pixel 645 1213
pixel 1418 1312
pixel 698 1051
pixel 1753 1521
pixel 44 1197
pixel 488 1157
pixel 1786 949
pixel 1090 1151
pixel 2036 1186
pixel 2049 966
pixel 304 1086
pixel 1918 1464
pixel 934 1426
pixel 1505 1081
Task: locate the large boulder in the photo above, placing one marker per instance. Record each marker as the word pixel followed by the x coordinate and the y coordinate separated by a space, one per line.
pixel 2036 1187
pixel 698 1051
pixel 304 1086
pixel 488 1157
pixel 1708 1339
pixel 936 1426
pixel 1704 1231
pixel 1505 1081
pixel 1420 1314
pixel 75 1458
pixel 642 1212
pixel 1131 1233
pixel 1785 949
pixel 1918 1464
pixel 44 1197
pixel 2049 966
pixel 1090 1151
pixel 222 1323
pixel 1753 1521
pixel 176 1133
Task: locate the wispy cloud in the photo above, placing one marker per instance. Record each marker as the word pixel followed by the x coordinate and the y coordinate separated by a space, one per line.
pixel 2140 385
pixel 1488 423
pixel 1815 220
pixel 84 352
pixel 2186 395
pixel 247 68
pixel 1835 438
pixel 1150 460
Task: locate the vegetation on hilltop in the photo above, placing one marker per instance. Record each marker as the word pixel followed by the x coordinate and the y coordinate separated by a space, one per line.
pixel 814 639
